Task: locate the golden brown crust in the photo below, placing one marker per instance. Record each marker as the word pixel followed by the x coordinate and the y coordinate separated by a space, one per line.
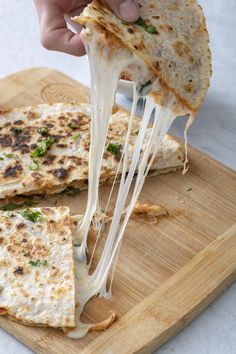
pixel 103 325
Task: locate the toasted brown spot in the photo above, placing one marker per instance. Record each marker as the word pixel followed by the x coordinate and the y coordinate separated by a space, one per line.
pixel 4 262
pixel 188 87
pixel 61 146
pixel 60 173
pixel 13 171
pixel 36 175
pixel 20 140
pixel 62 118
pixel 24 149
pixel 183 50
pixel 19 271
pixel 21 226
pixel 49 125
pixel 32 115
pixel 39 250
pixel 54 272
pixel 1 240
pixel 76 160
pixel 5 140
pixel 158 65
pixel 18 122
pixel 61 161
pixel 3 310
pixel 57 137
pixel 49 160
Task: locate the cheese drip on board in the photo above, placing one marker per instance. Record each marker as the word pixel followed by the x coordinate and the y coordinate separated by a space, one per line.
pixel 106 67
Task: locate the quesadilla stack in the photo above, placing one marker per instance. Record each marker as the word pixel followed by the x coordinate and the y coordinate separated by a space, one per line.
pixel 37 285
pixel 45 149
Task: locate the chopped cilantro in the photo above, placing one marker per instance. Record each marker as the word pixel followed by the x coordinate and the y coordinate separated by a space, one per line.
pixel 71 191
pixel 34 263
pixel 14 206
pixel 1 158
pixel 76 136
pixel 10 207
pixel 12 156
pixel 43 131
pixel 42 148
pixel 151 29
pixel 140 22
pixel 148 28
pixel 38 263
pixel 114 149
pixel 72 125
pixel 34 166
pixel 137 131
pixel 124 22
pixel 17 130
pixel 33 216
pixel 1 289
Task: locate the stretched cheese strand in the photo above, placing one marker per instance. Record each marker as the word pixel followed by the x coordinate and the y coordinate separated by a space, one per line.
pixel 164 118
pixel 100 114
pixel 105 72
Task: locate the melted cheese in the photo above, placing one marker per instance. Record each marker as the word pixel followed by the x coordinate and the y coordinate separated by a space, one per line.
pixel 106 68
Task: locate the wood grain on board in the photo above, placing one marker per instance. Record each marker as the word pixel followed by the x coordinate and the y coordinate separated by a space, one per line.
pixel 167 272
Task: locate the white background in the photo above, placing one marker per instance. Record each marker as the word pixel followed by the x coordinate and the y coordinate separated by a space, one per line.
pixel 214 132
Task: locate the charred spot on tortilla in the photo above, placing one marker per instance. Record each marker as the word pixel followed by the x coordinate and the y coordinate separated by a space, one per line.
pixel 60 173
pixel 13 171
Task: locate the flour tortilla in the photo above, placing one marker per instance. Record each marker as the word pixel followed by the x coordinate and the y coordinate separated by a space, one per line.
pixel 37 285
pixel 66 162
pixel 178 53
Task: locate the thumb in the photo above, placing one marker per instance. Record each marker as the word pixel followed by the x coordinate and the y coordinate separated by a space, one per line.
pixel 128 10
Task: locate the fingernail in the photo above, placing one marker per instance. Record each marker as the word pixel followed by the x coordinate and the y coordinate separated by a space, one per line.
pixel 129 10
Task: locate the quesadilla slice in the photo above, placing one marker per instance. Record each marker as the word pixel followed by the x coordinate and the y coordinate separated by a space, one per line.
pixel 45 149
pixel 170 37
pixel 37 285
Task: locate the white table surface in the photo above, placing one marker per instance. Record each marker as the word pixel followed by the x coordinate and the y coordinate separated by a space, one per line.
pixel 214 132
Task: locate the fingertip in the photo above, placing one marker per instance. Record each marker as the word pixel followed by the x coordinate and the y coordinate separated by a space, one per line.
pixel 77 46
pixel 129 10
pixel 63 40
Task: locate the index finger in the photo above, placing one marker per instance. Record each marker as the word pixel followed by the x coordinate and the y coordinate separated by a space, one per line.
pixel 54 32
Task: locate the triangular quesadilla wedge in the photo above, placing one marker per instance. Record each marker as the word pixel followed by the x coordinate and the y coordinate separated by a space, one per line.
pixel 170 36
pixel 45 149
pixel 37 285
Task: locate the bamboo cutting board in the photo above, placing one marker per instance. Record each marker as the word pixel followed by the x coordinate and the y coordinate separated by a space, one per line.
pixel 167 273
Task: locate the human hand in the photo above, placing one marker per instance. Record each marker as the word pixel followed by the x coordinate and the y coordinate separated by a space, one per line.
pixel 53 27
